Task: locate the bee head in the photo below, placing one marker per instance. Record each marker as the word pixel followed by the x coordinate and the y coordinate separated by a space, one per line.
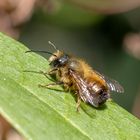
pixel 58 59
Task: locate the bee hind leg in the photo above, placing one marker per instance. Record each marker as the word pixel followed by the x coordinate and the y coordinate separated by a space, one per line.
pixel 78 103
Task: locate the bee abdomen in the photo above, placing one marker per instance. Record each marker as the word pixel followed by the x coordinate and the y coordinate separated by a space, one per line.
pixel 100 92
pixel 96 87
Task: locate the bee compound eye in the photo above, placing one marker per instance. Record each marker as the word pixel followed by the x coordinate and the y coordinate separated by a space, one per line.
pixel 63 60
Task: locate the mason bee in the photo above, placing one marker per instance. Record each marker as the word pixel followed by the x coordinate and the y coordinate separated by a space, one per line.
pixel 76 75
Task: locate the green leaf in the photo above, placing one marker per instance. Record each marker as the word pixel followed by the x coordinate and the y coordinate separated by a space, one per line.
pixel 40 114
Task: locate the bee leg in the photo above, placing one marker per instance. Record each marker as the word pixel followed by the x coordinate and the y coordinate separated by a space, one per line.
pixel 47 74
pixel 52 70
pixel 51 84
pixel 67 87
pixel 78 103
pixel 44 73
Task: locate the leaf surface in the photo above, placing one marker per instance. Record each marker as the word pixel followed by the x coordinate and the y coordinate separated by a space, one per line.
pixel 40 113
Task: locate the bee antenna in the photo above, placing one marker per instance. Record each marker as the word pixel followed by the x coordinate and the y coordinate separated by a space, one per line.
pixel 41 52
pixel 52 45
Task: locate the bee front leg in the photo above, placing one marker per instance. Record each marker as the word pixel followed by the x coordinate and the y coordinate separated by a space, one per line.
pixel 46 74
pixel 49 73
pixel 52 71
pixel 51 84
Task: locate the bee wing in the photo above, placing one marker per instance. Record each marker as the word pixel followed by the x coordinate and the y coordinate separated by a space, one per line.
pixel 113 85
pixel 85 93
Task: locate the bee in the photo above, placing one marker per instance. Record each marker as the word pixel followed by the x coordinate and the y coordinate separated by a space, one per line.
pixel 76 75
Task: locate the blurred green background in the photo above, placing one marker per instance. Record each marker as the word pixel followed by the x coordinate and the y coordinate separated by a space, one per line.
pixel 97 38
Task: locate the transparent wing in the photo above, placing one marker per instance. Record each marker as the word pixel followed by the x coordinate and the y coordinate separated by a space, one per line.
pixel 113 85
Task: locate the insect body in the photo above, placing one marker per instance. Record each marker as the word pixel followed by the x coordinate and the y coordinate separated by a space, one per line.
pixel 75 74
